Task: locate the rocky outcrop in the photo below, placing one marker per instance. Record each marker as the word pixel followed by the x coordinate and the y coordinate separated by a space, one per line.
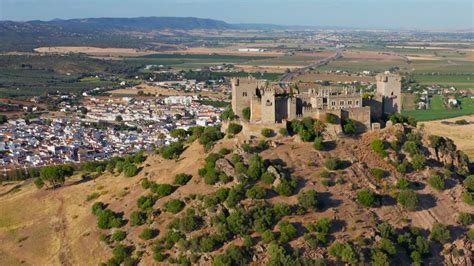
pixel 278 178
pixel 458 253
pixel 223 165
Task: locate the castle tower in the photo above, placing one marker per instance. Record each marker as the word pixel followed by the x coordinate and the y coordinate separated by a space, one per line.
pixel 268 106
pixel 242 93
pixel 389 92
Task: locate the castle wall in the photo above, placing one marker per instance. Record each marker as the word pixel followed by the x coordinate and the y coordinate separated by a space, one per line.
pixel 281 109
pixel 361 115
pixel 291 106
pixel 242 92
pixel 256 110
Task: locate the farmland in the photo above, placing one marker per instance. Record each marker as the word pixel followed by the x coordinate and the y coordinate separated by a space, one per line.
pixel 438 111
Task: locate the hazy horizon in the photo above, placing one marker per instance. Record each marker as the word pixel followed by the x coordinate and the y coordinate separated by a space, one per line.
pixel 370 14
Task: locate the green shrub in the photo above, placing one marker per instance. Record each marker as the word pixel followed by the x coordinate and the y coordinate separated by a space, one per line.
pixel 182 179
pixel 130 170
pixel 331 118
pixel 174 206
pixel 119 235
pixel 437 182
pixel 308 199
pixel 287 231
pixel 268 236
pixel 322 225
pixel 403 183
pixel 228 114
pixel 332 163
pixel 464 218
pixel 470 235
pixel 377 173
pixel 171 151
pixel 469 182
pixel 411 147
pixel 345 252
pixel 148 234
pixel 267 132
pixel 137 218
pixel 349 127
pixel 379 147
pixel 255 192
pixel 146 183
pixel 366 197
pixel 283 131
pixel 234 128
pixel 318 143
pixel 121 252
pixel 408 199
pixel 234 255
pixel 267 178
pixel 39 182
pixel 162 190
pixel 418 161
pixel 286 187
pixel 440 233
pixel 246 113
pixel 468 197
pixel 146 202
pixel 107 219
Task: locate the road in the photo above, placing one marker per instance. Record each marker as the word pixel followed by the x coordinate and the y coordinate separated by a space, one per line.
pixel 286 79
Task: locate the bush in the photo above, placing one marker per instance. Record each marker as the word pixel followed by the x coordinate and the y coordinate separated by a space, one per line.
pixel 146 183
pixel 468 197
pixel 418 161
pixel 162 190
pixel 268 236
pixel 470 235
pixel 171 151
pixel 403 183
pixel 308 199
pixel 130 170
pixel 39 182
pixel 255 192
pixel 377 173
pixel 286 187
pixel 246 113
pixel 366 197
pixel 119 236
pixel 464 218
pixel 331 118
pixel 267 132
pixel 318 143
pixel 322 225
pixel 267 178
pixel 343 251
pixel 234 128
pixel 469 182
pixel 182 179
pixel 283 131
pixel 137 218
pixel 379 147
pixel 148 234
pixel 234 255
pixel 349 127
pixel 437 182
pixel 411 147
pixel 121 252
pixel 146 202
pixel 332 163
pixel 287 231
pixel 408 199
pixel 174 206
pixel 107 219
pixel 228 114
pixel 440 233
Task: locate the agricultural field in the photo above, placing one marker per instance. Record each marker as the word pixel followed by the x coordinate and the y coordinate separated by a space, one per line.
pixel 438 111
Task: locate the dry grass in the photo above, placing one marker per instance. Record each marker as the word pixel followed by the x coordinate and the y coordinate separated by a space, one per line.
pixel 461 134
pixel 96 51
pixel 313 76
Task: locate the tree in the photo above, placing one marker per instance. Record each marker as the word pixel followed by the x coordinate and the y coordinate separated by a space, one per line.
pixel 308 199
pixel 377 173
pixel 174 206
pixel 234 255
pixel 228 114
pixel 331 118
pixel 366 197
pixel 408 199
pixel 350 127
pixel 418 161
pixel 148 234
pixel 287 231
pixel 464 218
pixel 119 235
pixel 182 179
pixel 440 233
pixel 137 218
pixel 130 170
pixel 178 133
pixel 469 182
pixel 437 182
pixel 234 128
pixel 172 150
pixel 283 131
pixel 379 147
pixel 3 119
pixel 255 192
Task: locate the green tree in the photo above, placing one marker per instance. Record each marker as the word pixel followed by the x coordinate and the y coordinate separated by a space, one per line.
pixel 408 199
pixel 366 197
pixel 437 182
pixel 246 113
pixel 440 233
pixel 308 199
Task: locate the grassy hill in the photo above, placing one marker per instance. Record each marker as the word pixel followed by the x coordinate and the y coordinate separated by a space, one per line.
pixel 278 202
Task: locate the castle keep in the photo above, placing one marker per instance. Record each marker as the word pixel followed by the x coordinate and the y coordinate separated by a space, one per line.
pixel 270 104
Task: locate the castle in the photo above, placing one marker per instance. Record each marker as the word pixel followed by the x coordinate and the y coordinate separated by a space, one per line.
pixel 270 104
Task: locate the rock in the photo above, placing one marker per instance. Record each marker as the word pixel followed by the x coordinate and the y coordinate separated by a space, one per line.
pixel 223 165
pixel 272 170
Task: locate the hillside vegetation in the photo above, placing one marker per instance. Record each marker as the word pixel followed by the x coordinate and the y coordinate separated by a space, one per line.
pixel 395 195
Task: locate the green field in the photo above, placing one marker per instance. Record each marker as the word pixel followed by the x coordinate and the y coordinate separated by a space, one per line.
pixel 438 111
pixel 268 76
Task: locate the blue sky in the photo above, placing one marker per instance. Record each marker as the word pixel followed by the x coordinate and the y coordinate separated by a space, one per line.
pixel 412 14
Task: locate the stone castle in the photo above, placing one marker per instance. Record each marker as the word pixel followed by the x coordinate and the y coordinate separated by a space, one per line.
pixel 270 104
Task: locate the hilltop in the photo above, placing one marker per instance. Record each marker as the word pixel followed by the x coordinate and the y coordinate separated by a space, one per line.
pixel 349 199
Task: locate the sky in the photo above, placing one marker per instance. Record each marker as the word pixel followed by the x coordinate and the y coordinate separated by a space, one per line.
pixel 375 14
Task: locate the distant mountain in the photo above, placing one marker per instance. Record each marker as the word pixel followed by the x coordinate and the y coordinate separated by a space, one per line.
pixel 125 24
